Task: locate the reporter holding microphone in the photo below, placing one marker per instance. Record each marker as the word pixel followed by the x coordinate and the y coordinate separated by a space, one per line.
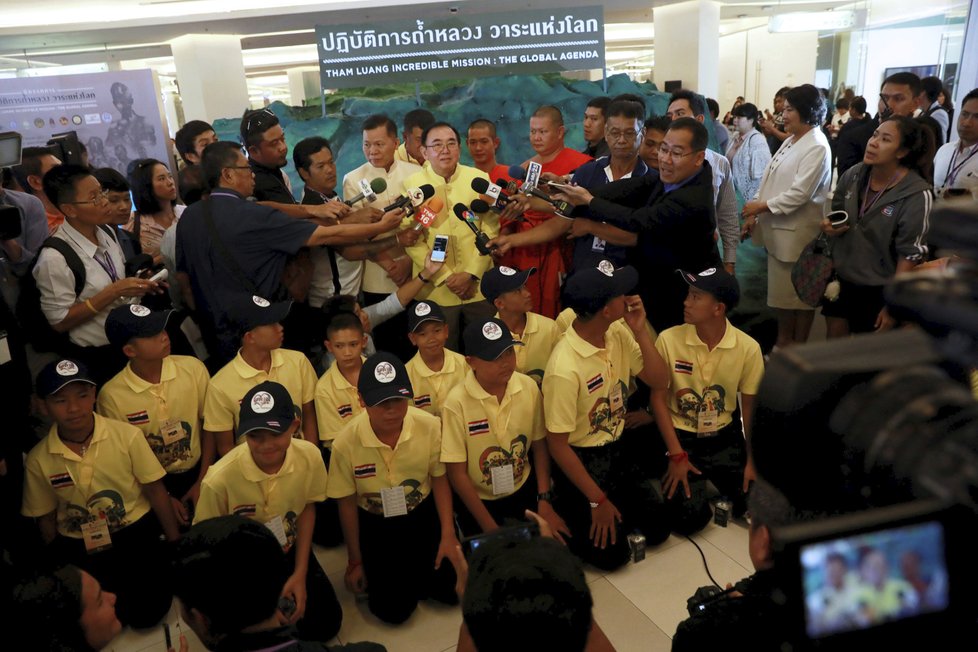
pixel 456 287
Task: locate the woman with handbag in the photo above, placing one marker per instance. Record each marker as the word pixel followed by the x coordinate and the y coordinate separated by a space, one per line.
pixel 788 207
pixel 888 201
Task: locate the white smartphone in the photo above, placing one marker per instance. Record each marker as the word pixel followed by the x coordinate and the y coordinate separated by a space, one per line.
pixel 560 186
pixel 838 218
pixel 159 276
pixel 439 248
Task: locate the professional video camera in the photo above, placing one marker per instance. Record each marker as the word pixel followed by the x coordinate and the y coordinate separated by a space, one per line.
pixel 881 433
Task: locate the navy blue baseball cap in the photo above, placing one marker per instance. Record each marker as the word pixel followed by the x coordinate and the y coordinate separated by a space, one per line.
pixel 487 339
pixel 502 279
pixel 422 311
pixel 56 375
pixel 266 406
pixel 590 289
pixel 126 322
pixel 718 282
pixel 383 377
pixel 248 311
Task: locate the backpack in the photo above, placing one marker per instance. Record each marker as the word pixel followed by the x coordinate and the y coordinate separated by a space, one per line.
pixel 39 332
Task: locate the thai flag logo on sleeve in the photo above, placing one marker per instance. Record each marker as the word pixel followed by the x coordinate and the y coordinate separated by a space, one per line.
pixel 422 401
pixel 594 384
pixel 345 411
pixel 683 367
pixel 138 418
pixel 244 510
pixel 479 427
pixel 364 471
pixel 61 481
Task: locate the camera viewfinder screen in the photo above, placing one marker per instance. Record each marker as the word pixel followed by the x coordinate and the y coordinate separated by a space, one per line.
pixel 866 580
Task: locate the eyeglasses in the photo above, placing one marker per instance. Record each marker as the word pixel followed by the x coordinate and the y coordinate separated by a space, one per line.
pixel 439 146
pixel 664 151
pixel 101 198
pixel 256 118
pixel 614 134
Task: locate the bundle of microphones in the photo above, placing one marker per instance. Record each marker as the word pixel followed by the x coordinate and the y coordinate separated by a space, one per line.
pixel 499 193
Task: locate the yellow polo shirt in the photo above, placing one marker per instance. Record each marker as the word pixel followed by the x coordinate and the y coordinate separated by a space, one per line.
pixel 539 337
pixel 337 401
pixel 701 379
pixel 289 368
pixel 401 154
pixel 579 383
pixel 108 480
pixel 431 388
pixel 462 255
pixel 477 428
pixel 565 319
pixel 235 485
pixel 363 465
pixel 169 414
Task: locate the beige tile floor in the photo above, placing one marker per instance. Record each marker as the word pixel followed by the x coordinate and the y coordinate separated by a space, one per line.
pixel 637 606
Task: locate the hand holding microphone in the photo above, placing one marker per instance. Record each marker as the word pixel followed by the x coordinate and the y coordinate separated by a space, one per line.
pixel 562 208
pixel 368 191
pixel 471 221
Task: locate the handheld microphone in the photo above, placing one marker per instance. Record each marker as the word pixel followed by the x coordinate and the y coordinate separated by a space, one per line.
pixel 563 208
pixel 530 176
pixel 413 196
pixel 471 221
pixel 480 206
pixel 368 191
pixel 428 213
pixel 483 187
pixel 509 186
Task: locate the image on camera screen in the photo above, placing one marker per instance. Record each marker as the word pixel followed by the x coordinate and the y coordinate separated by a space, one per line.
pixel 870 579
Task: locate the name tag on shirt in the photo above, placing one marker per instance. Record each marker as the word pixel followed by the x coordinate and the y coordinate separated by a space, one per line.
pixel 394 502
pixel 95 532
pixel 277 527
pixel 172 431
pixel 502 480
pixel 4 348
pixel 706 423
pixel 617 401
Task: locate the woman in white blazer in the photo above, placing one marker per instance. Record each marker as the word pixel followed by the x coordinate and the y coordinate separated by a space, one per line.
pixel 787 210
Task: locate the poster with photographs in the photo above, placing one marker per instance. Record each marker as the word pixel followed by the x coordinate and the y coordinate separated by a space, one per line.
pixel 116 114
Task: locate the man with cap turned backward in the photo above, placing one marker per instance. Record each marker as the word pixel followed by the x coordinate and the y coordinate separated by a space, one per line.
pixel 491 423
pixel 709 362
pixel 383 471
pixel 163 396
pixel 277 481
pixel 261 357
pixel 505 289
pixel 90 485
pixel 434 370
pixel 602 488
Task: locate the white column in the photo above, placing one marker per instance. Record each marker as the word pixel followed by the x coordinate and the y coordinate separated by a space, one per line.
pixel 687 45
pixel 968 68
pixel 303 84
pixel 211 76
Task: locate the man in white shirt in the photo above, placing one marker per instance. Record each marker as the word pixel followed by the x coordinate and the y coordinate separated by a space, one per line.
pixel 956 163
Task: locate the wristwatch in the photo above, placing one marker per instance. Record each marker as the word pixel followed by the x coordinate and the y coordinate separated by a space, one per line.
pixel 546 495
pixel 423 279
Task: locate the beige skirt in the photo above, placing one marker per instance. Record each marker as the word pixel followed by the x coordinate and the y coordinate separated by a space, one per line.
pixel 780 291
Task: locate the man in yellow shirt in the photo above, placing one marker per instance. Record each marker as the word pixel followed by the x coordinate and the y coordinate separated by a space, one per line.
pixel 456 286
pixel 415 123
pixel 260 358
pixel 278 482
pixel 491 423
pixel 434 371
pixel 163 396
pixel 384 468
pixel 91 484
pixel 584 391
pixel 710 362
pixel 505 289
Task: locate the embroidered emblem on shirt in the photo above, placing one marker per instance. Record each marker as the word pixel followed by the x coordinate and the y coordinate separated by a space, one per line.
pixel 138 418
pixel 244 510
pixel 595 384
pixel 888 210
pixel 61 480
pixel 345 410
pixel 422 401
pixel 683 367
pixel 365 471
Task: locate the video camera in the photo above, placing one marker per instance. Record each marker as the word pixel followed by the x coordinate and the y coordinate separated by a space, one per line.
pixel 878 435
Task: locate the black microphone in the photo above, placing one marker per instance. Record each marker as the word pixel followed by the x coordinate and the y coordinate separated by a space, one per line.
pixel 509 186
pixel 563 208
pixel 414 196
pixel 492 192
pixel 480 206
pixel 471 221
pixel 368 191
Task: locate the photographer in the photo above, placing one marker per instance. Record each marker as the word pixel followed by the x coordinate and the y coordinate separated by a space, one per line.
pixel 18 251
pixel 749 612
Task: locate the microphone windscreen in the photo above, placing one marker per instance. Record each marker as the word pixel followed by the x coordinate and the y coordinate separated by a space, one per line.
pixel 516 172
pixel 459 210
pixel 428 190
pixel 479 206
pixel 436 204
pixel 480 185
pixel 502 183
pixel 378 185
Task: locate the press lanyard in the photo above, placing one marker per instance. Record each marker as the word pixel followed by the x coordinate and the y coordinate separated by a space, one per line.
pixel 867 202
pixel 107 265
pixel 952 174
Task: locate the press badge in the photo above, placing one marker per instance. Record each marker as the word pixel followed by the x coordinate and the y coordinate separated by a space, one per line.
pixel 95 532
pixel 394 501
pixel 706 423
pixel 598 245
pixel 172 431
pixel 277 527
pixel 502 480
pixel 617 400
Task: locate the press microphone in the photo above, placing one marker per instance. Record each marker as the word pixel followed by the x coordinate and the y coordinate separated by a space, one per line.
pixel 483 187
pixel 428 213
pixel 481 239
pixel 563 208
pixel 509 186
pixel 479 206
pixel 413 196
pixel 368 191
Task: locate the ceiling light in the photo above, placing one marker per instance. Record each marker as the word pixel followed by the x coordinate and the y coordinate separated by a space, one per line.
pixel 812 21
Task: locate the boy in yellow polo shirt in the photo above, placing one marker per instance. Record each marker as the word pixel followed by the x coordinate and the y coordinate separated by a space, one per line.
pixel 277 481
pixel 163 396
pixel 585 388
pixel 709 362
pixel 434 370
pixel 505 289
pixel 491 424
pixel 383 471
pixel 337 400
pixel 260 358
pixel 91 484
